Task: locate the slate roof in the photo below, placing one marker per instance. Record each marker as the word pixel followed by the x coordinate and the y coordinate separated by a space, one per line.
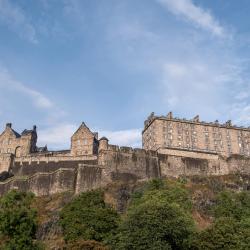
pixel 27 131
pixel 15 133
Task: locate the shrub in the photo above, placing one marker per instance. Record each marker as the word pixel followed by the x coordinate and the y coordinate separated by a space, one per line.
pixel 18 221
pixel 154 225
pixel 225 233
pixel 230 204
pixel 87 217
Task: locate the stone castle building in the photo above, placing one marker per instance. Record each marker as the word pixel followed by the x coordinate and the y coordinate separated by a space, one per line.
pixel 164 133
pixel 171 147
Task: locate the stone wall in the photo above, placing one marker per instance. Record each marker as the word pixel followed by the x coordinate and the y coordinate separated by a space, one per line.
pixel 137 163
pixel 6 160
pixel 114 164
pixel 175 166
pixel 42 183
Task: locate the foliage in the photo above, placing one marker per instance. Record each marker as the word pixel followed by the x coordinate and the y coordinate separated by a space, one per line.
pixel 231 229
pixel 225 233
pixel 155 225
pixel 230 204
pixel 158 218
pixel 85 245
pixel 17 221
pixel 169 191
pixel 87 217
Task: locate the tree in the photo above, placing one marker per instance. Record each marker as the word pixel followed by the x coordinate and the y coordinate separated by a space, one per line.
pixel 87 217
pixel 85 245
pixel 169 191
pixel 225 233
pixel 18 221
pixel 234 205
pixel 154 225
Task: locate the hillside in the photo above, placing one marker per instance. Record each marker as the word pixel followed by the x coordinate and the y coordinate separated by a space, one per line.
pixel 202 191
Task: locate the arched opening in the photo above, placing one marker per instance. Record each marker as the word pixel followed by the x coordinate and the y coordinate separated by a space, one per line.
pixel 18 152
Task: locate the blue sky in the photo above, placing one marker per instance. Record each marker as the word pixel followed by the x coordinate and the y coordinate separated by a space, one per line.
pixel 111 63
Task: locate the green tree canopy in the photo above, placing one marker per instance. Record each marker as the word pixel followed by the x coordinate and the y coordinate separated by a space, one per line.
pixel 155 225
pixel 158 218
pixel 231 204
pixel 163 190
pixel 225 233
pixel 87 217
pixel 17 221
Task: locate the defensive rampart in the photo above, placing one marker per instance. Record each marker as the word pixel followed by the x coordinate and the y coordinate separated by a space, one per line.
pixel 45 175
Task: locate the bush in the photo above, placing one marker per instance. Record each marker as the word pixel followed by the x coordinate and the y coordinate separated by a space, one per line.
pixel 85 245
pixel 225 233
pixel 230 204
pixel 158 218
pixel 157 190
pixel 87 217
pixel 154 225
pixel 18 221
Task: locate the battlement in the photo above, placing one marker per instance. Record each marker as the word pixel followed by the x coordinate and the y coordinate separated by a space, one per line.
pixel 130 150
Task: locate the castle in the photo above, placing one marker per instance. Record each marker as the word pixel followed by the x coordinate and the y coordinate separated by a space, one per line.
pixel 171 147
pixel 164 133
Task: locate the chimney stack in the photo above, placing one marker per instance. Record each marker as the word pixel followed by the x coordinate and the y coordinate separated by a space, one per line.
pixel 8 125
pixel 170 115
pixel 196 118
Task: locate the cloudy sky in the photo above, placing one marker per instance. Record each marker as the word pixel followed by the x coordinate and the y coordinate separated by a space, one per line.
pixel 111 63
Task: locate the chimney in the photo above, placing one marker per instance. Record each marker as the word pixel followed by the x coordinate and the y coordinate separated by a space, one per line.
pixel 8 125
pixel 196 118
pixel 170 115
pixel 229 123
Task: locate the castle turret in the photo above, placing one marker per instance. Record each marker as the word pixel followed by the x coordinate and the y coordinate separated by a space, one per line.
pixel 103 144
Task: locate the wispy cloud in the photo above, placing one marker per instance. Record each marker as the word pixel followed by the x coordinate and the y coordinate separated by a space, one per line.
pixel 16 20
pixel 38 99
pixel 195 14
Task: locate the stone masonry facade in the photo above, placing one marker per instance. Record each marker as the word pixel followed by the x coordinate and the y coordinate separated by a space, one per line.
pixel 171 148
pixel 162 133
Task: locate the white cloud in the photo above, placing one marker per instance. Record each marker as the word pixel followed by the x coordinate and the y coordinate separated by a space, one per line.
pixel 130 137
pixel 58 136
pixel 15 18
pixel 7 82
pixel 195 14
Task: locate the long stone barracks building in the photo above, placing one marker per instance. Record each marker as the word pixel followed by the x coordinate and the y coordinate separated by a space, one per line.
pixel 171 148
pixel 166 133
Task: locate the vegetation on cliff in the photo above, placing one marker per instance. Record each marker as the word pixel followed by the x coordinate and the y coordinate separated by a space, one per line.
pixel 18 221
pixel 196 213
pixel 88 217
